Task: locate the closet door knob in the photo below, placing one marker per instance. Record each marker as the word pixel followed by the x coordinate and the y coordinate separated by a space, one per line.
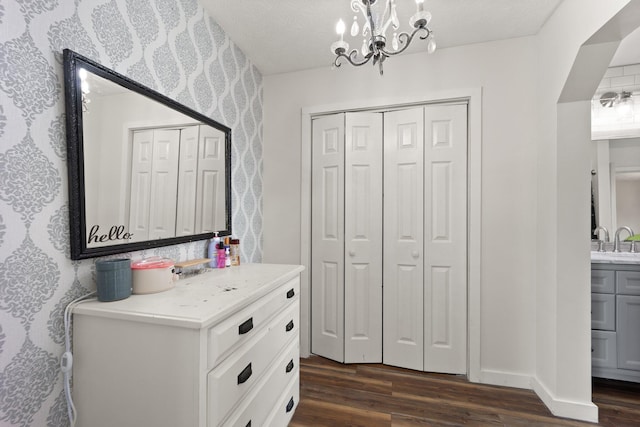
pixel 415 254
pixel 352 253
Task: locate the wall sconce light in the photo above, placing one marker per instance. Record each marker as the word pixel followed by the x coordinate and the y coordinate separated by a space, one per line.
pixel 620 102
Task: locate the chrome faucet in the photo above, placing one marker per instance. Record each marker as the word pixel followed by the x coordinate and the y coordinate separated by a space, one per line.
pixel 606 236
pixel 616 243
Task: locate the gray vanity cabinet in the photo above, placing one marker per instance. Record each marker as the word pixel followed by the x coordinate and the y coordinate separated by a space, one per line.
pixel 615 321
pixel 628 307
pixel 628 325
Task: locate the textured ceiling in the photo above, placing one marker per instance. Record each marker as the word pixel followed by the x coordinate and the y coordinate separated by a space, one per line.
pixel 289 35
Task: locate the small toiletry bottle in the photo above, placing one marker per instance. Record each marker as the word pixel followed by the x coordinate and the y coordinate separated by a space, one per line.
pixel 234 245
pixel 221 255
pixel 227 259
pixel 212 253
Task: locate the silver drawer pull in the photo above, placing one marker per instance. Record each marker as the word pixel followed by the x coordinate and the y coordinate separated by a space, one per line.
pixel 289 326
pixel 245 374
pixel 290 405
pixel 289 366
pixel 246 326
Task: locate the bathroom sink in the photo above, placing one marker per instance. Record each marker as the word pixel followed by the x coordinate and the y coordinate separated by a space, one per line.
pixel 615 257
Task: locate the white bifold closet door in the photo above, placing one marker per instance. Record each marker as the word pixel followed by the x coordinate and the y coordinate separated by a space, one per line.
pixel 347 237
pixel 425 238
pixel 416 234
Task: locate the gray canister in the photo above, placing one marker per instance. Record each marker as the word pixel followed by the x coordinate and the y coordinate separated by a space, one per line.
pixel 113 279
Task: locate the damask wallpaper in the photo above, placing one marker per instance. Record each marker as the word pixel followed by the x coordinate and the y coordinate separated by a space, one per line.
pixel 172 46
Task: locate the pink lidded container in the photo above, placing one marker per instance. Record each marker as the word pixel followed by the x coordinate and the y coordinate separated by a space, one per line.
pixel 151 275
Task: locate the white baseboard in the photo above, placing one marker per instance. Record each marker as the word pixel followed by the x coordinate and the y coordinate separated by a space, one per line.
pixel 561 408
pixel 506 379
pixel 564 408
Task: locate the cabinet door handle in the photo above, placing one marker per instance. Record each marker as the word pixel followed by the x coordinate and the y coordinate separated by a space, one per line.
pixel 290 405
pixel 289 326
pixel 290 293
pixel 289 366
pixel 246 326
pixel 245 374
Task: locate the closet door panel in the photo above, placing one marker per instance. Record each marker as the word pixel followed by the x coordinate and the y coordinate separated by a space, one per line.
pixel 327 238
pixel 187 178
pixel 210 189
pixel 445 252
pixel 403 331
pixel 141 162
pixel 164 184
pixel 363 238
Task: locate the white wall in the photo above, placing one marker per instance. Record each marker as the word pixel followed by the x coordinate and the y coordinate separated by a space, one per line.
pixel 563 377
pixel 507 316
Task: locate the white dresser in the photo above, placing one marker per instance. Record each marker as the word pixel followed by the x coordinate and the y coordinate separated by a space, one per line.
pixel 221 348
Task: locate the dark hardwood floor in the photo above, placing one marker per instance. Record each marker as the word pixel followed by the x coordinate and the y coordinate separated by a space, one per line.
pixel 332 394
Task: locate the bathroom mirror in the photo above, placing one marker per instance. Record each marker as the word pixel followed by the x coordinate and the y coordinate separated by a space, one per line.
pixel 144 171
pixel 616 183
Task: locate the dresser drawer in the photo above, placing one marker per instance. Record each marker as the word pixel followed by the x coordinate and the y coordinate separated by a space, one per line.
pixel 286 406
pixel 255 408
pixel 603 349
pixel 603 281
pixel 628 282
pixel 603 312
pixel 236 376
pixel 243 325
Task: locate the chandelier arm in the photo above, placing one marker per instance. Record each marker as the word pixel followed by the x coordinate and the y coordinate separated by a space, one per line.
pixel 357 5
pixel 405 40
pixel 371 27
pixel 351 57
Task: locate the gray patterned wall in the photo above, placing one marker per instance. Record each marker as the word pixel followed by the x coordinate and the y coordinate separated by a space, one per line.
pixel 172 46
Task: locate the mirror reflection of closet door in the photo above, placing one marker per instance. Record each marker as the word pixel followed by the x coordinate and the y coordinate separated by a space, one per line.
pixel 154 174
pixel 164 184
pixel 187 179
pixel 210 191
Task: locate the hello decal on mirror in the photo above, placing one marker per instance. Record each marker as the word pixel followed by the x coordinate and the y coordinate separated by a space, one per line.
pixel 116 232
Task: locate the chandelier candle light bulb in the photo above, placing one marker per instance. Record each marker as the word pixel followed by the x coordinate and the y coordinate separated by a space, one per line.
pixel 340 46
pixel 378 16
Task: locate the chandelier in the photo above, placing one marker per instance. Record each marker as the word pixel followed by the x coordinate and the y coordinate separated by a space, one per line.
pixel 378 16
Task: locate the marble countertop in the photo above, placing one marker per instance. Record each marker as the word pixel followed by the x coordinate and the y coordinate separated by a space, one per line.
pixel 615 257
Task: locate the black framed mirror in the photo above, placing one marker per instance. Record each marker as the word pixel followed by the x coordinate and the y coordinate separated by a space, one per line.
pixel 144 171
